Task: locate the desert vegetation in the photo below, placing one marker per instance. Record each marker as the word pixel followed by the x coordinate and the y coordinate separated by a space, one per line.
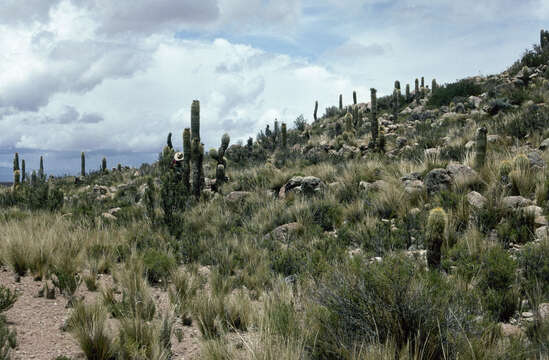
pixel 411 226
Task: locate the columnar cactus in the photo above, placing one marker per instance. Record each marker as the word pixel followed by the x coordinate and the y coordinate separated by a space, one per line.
pixel 354 97
pixel 250 146
pixel 340 102
pixel 316 110
pixel 373 106
pixel 186 173
pixel 348 122
pixel 23 171
pixel 197 154
pixel 422 82
pixel 104 165
pixel 396 100
pixel 276 133
pixel 16 178
pixel 436 228
pixel 195 120
pixel 16 162
pixel 34 178
pixel 219 176
pixel 407 92
pixel 41 173
pixel 356 120
pixel 169 141
pixel 219 155
pixel 284 136
pixel 82 164
pixel 544 39
pixel 434 85
pixel 381 141
pixel 480 147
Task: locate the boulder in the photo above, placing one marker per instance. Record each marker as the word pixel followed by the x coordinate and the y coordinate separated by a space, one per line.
pixel 514 202
pixel 476 200
pixel 544 145
pixel 237 196
pixel 509 330
pixel 542 232
pixel 535 159
pixel 437 180
pixel 282 232
pixel 460 172
pixel 301 184
pixel 534 210
pixel 100 189
pixel 413 186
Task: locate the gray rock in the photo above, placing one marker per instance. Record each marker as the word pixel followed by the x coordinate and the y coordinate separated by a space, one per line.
pixel 514 202
pixel 535 159
pixel 534 210
pixel 460 172
pixel 493 138
pixel 413 186
pixel 460 108
pixel 437 180
pixel 237 196
pixel 301 184
pixel 542 232
pixel 476 200
pixel 283 232
pixel 544 144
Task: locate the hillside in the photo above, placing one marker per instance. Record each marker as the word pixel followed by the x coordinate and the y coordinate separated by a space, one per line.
pixel 411 226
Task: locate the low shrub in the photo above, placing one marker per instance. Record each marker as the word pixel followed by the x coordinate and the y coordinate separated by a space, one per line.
pixel 454 92
pixel 158 265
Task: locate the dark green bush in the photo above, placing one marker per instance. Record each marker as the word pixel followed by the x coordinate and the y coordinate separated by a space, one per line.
pixel 457 91
pixel 158 265
pixel 7 298
pixel 528 121
pixel 518 228
pixel 496 280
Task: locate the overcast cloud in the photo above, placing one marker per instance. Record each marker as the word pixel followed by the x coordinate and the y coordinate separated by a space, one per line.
pixel 114 77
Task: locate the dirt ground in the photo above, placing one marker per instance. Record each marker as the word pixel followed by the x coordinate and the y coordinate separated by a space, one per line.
pixel 38 321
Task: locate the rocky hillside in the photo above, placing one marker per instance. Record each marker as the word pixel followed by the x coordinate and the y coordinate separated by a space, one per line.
pixel 410 226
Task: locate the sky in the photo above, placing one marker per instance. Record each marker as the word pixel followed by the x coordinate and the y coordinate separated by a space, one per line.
pixel 113 78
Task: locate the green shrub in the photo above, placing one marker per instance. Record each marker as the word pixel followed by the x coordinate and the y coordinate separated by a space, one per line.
pixel 7 298
pixel 518 227
pixel 158 265
pixel 454 92
pixel 496 280
pixel 533 260
pixel 527 121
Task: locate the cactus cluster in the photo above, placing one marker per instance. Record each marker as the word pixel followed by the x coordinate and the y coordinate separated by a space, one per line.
pixel 544 39
pixel 436 228
pixel 480 147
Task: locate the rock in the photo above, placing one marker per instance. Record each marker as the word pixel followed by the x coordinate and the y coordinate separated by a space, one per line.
pixel 401 141
pixel 282 232
pixel 413 186
pixel 544 145
pixel 534 210
pixel 475 101
pixel 460 108
pixel 476 200
pixel 375 186
pixel 99 189
pixel 541 221
pixel 527 315
pixel 544 310
pixel 513 202
pixel 542 232
pixel 108 216
pixel 437 180
pixel 509 330
pixel 236 196
pixel 461 173
pixel 115 210
pixel 493 138
pixel 301 184
pixel 535 159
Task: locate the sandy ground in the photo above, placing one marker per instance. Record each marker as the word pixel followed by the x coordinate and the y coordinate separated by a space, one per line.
pixel 38 321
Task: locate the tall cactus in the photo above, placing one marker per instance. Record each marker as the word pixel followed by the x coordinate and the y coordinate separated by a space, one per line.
pixel 356 120
pixel 416 91
pixel 374 122
pixel 169 141
pixel 340 102
pixel 480 147
pixel 104 165
pixel 41 173
pixel 23 171
pixel 195 120
pixel 354 97
pixel 82 164
pixel 348 122
pixel 250 146
pixel 544 39
pixel 396 100
pixel 434 85
pixel 284 136
pixel 316 110
pixel 197 154
pixel 16 178
pixel 422 82
pixel 219 176
pixel 186 173
pixel 407 92
pixel 16 162
pixel 34 178
pixel 436 227
pixel 276 133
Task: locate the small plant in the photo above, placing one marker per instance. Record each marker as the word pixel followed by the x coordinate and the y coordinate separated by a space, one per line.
pixel 158 265
pixel 7 299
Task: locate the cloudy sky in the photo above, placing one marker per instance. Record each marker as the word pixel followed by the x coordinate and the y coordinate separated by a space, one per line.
pixel 112 78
